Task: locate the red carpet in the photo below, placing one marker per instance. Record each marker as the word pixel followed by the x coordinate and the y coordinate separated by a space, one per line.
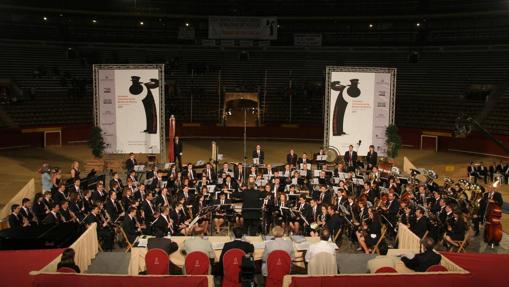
pixel 15 265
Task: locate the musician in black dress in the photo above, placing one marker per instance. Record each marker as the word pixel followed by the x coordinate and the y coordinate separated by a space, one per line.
pixel 371 231
pixel 302 210
pixel 456 229
pixel 372 157
pixel 222 210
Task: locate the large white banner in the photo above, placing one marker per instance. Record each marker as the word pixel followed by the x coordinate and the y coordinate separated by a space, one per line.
pixel 359 105
pixel 253 28
pixel 129 107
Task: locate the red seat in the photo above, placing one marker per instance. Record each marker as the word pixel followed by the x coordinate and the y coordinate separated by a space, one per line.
pixel 437 268
pixel 232 261
pixel 66 270
pixel 197 263
pixel 386 269
pixel 157 262
pixel 278 265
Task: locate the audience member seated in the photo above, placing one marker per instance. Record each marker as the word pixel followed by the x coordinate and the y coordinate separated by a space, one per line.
pixel 237 243
pixel 322 246
pixel 67 260
pixel 424 260
pixel 198 243
pixel 277 243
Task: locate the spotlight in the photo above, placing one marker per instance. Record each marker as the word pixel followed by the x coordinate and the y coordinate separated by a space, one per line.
pixel 94 21
pixel 187 24
pixel 229 111
pixel 141 23
pixel 418 24
pixel 370 25
pixel 253 110
pixel 45 18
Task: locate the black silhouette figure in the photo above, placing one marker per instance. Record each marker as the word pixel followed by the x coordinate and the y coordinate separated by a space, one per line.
pixel 354 91
pixel 148 102
pixel 340 105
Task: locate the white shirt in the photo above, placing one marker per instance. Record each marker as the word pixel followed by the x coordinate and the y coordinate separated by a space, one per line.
pixel 322 246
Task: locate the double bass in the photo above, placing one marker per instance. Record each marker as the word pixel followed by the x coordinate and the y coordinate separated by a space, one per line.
pixel 492 227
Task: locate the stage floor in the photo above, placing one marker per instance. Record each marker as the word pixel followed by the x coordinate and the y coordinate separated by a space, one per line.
pixel 17 166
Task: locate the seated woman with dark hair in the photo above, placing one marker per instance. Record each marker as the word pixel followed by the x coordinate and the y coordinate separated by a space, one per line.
pixel 67 260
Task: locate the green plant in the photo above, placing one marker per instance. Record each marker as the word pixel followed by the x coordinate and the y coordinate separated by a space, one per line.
pixel 96 142
pixel 393 141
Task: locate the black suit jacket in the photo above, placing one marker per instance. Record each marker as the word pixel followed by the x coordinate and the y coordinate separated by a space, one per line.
pixel 58 197
pixel 162 243
pixel 27 214
pixel 420 226
pixel 422 261
pixel 347 158
pixel 15 221
pixel 177 147
pixel 261 156
pixel 51 219
pixel 129 164
pixel 235 244
pixel 149 215
pixel 251 201
pixel 497 197
pixel 372 158
pixel 291 159
pixel 113 209
pixel 129 227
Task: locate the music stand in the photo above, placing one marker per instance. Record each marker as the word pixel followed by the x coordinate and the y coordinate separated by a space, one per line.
pixel 358 181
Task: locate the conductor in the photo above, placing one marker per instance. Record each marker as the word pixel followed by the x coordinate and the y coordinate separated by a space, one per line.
pixel 251 199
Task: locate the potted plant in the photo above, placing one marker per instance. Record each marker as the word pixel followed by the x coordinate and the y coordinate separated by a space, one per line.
pixel 393 142
pixel 96 142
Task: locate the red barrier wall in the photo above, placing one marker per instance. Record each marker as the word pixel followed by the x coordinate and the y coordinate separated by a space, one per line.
pixel 15 265
pixel 80 280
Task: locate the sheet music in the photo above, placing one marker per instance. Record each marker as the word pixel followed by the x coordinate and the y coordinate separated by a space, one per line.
pixel 321 157
pixel 139 168
pixel 316 173
pixel 307 164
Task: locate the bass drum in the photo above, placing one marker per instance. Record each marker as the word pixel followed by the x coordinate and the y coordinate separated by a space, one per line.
pixel 333 155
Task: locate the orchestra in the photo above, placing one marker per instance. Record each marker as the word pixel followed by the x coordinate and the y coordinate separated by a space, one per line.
pixel 351 196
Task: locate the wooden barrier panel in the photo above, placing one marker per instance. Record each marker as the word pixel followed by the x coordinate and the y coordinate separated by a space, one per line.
pixel 85 247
